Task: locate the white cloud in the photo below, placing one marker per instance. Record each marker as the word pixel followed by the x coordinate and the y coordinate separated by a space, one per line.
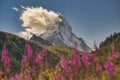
pixel 25 34
pixel 37 19
pixel 16 9
pixel 22 7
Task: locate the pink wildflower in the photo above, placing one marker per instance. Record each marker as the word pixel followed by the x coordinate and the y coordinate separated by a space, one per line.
pixel 63 62
pixel 28 49
pixel 5 78
pixel 98 67
pixel 57 67
pixel 118 54
pixel 44 51
pixel 69 71
pixel 18 77
pixel 114 55
pixel 12 78
pixel 5 58
pixel 24 61
pixel 85 59
pixel 87 78
pixel 95 46
pixel 38 59
pixel 113 48
pixel 1 72
pixel 109 66
pixel 110 58
pixel 95 58
pixel 59 78
pixel 76 57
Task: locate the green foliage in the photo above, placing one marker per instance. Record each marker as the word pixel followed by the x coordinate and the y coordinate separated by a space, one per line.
pixel 113 39
pixel 60 50
pixel 16 47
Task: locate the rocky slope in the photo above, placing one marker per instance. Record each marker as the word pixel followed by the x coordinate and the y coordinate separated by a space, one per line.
pixel 61 34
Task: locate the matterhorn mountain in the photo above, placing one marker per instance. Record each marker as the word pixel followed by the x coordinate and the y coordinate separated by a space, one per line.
pixel 61 34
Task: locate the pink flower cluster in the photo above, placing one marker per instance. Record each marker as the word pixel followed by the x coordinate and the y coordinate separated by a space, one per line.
pixel 5 58
pixel 23 62
pixel 76 57
pixel 98 67
pixel 109 66
pixel 78 67
pixel 29 64
pixel 29 49
pixel 38 58
pixel 16 77
pixel 71 68
pixel 59 78
pixel 64 63
pixel 86 59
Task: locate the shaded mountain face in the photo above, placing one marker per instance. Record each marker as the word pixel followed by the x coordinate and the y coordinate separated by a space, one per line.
pixel 61 34
pixel 40 41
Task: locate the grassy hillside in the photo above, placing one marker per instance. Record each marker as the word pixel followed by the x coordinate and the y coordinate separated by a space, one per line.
pixel 61 50
pixel 60 62
pixel 16 47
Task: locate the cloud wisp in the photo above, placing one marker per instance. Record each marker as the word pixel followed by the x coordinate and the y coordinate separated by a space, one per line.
pixel 15 9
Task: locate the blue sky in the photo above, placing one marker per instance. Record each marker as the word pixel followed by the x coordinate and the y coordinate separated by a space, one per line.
pixel 90 19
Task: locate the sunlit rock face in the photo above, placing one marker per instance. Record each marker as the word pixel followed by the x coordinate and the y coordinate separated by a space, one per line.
pixel 61 34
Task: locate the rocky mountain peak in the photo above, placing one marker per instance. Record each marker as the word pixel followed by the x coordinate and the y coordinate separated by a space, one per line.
pixel 61 34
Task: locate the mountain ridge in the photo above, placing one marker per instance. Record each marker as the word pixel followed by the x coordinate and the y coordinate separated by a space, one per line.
pixel 61 34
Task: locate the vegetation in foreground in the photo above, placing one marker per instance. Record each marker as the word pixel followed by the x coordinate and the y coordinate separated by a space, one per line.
pixel 85 66
pixel 40 64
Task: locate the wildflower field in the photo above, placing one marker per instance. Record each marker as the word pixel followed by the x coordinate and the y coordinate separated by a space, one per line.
pixel 49 63
pixel 81 66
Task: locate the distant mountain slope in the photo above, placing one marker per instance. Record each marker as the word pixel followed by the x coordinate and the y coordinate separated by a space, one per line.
pixel 39 41
pixel 113 39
